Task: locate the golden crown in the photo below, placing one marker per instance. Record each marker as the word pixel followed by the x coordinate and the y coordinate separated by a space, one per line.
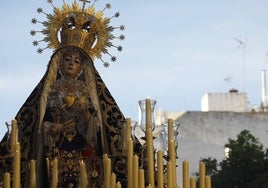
pixel 78 26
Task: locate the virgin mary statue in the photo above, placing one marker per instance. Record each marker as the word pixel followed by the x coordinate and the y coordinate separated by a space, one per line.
pixel 70 115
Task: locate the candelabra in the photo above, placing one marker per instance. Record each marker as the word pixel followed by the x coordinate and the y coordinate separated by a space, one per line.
pixel 164 137
pixel 149 155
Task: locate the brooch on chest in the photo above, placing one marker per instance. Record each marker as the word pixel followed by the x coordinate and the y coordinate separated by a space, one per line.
pixel 69 99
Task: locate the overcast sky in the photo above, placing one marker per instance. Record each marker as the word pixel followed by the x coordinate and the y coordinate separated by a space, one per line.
pixel 175 51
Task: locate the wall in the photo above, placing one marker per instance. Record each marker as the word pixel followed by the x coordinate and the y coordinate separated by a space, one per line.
pixel 203 134
pixel 232 101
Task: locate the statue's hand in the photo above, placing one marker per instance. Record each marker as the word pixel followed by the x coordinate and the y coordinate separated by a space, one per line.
pixel 90 111
pixel 93 109
pixel 55 128
pixel 86 113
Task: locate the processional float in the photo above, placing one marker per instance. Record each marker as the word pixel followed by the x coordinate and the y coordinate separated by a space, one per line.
pixel 128 159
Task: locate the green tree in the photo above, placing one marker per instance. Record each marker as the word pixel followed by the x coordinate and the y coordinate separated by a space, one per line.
pixel 245 167
pixel 211 166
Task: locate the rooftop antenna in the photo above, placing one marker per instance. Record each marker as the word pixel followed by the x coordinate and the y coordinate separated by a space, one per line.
pixel 266 57
pixel 263 87
pixel 263 91
pixel 228 80
pixel 242 43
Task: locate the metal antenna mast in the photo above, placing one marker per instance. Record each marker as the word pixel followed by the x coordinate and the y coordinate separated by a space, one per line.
pixel 242 45
pixel 228 80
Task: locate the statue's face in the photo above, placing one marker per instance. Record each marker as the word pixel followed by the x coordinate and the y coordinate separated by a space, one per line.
pixel 71 64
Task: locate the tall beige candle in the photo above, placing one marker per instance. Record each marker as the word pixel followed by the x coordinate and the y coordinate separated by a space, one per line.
pixel 192 182
pixel 135 171
pixel 104 157
pixel 130 164
pixel 148 114
pixel 32 174
pixel 202 172
pixel 169 175
pixel 112 180
pixel 150 156
pixel 141 178
pixel 83 175
pixel 104 160
pixel 16 166
pixel 55 173
pixel 6 180
pixel 207 182
pixel 170 130
pixel 118 185
pixel 48 167
pixel 127 131
pixel 160 170
pixel 149 142
pixel 185 174
pixel 14 134
pixel 108 171
pixel 172 156
pixel 171 148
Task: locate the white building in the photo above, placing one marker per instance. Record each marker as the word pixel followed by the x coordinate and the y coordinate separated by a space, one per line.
pixel 224 102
